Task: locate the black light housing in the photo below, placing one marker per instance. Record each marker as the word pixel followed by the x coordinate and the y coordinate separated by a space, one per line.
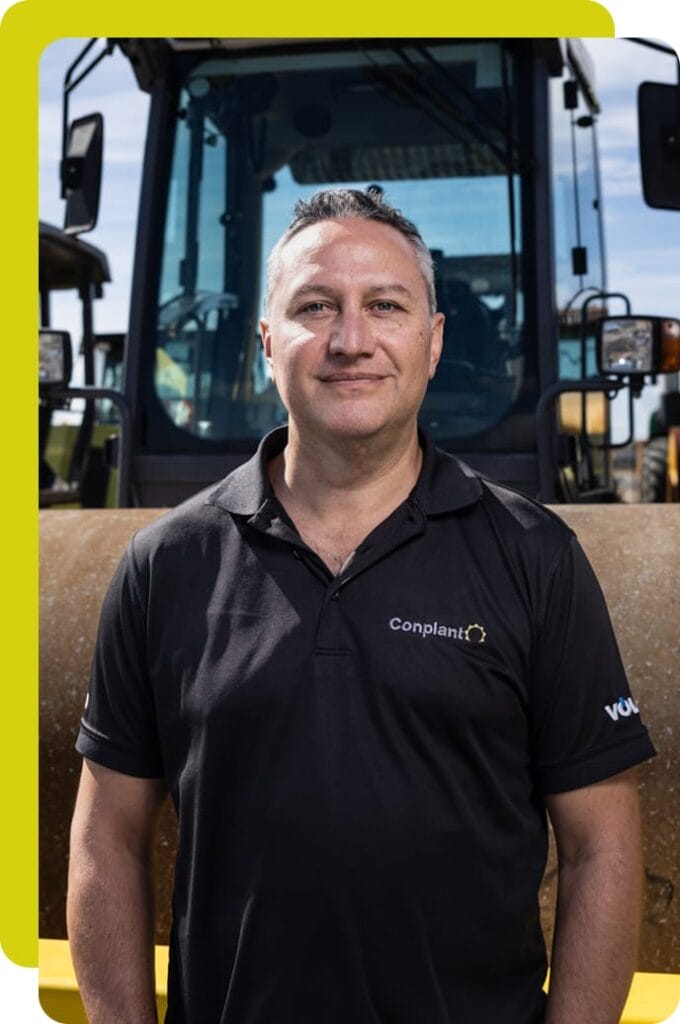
pixel 81 173
pixel 55 360
pixel 628 345
pixel 659 132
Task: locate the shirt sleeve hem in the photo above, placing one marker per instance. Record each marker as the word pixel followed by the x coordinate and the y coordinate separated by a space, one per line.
pixel 597 766
pixel 116 759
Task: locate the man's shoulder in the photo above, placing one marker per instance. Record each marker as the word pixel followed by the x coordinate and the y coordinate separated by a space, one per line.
pixel 189 524
pixel 521 513
pixel 516 519
pixel 210 513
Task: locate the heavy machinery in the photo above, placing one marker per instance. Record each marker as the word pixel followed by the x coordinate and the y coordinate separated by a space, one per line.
pixel 72 466
pixel 490 147
pixel 660 455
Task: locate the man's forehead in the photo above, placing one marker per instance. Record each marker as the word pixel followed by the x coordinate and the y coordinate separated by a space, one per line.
pixel 346 229
pixel 372 248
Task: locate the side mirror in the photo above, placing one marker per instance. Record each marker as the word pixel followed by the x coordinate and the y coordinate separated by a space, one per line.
pixel 659 133
pixel 55 360
pixel 637 345
pixel 81 173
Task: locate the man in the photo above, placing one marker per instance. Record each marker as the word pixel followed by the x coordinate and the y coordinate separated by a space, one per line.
pixel 363 673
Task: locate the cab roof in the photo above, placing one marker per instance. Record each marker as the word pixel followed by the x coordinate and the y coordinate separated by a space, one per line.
pixel 64 262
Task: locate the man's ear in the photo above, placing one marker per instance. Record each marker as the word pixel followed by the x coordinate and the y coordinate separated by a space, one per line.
pixel 266 335
pixel 436 341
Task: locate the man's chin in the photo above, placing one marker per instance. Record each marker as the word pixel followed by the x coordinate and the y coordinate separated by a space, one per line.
pixel 349 429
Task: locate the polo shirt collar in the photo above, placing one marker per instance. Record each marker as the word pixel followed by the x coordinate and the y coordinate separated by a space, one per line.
pixel 247 489
pixel 445 483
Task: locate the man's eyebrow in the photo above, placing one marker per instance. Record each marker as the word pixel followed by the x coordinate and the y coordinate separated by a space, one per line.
pixel 311 289
pixel 391 288
pixel 306 290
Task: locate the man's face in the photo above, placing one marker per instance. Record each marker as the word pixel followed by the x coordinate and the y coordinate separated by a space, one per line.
pixel 349 337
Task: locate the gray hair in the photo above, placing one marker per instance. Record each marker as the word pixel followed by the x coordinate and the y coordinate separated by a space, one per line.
pixel 340 203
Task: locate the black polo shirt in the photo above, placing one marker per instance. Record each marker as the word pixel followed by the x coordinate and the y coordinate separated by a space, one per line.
pixel 359 762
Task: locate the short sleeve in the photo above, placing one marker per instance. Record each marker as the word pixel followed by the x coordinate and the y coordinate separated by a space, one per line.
pixel 585 723
pixel 118 729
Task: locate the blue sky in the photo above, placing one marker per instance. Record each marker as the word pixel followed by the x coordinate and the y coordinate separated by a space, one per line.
pixel 643 245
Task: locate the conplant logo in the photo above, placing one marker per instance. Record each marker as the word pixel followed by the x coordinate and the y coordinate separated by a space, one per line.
pixel 623 708
pixel 473 634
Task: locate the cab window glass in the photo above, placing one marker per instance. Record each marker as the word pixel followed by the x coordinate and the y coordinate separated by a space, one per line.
pixel 433 126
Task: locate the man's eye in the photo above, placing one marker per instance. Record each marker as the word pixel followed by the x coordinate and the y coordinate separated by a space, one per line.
pixel 314 307
pixel 385 306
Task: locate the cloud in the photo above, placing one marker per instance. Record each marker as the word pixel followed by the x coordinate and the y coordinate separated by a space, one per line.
pixel 617 126
pixel 621 177
pixel 649 279
pixel 620 63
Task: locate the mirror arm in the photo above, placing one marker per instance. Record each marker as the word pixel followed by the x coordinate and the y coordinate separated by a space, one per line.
pixel 69 86
pixel 584 324
pixel 123 495
pixel 661 47
pixel 653 46
pixel 584 309
pixel 544 426
pixel 635 383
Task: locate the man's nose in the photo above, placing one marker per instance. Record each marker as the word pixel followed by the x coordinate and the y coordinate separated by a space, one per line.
pixel 351 335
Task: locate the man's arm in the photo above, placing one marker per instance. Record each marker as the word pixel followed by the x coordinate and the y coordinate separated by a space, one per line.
pixel 110 895
pixel 597 829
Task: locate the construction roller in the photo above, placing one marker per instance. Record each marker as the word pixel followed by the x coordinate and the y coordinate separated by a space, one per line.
pixel 634 551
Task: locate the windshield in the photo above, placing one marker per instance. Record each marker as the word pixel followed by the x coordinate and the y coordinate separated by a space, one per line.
pixel 431 125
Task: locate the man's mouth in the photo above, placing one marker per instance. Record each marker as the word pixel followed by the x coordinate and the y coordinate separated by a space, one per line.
pixel 351 378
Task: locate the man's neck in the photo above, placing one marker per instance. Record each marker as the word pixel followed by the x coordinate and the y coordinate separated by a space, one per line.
pixel 337 494
pixel 340 477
